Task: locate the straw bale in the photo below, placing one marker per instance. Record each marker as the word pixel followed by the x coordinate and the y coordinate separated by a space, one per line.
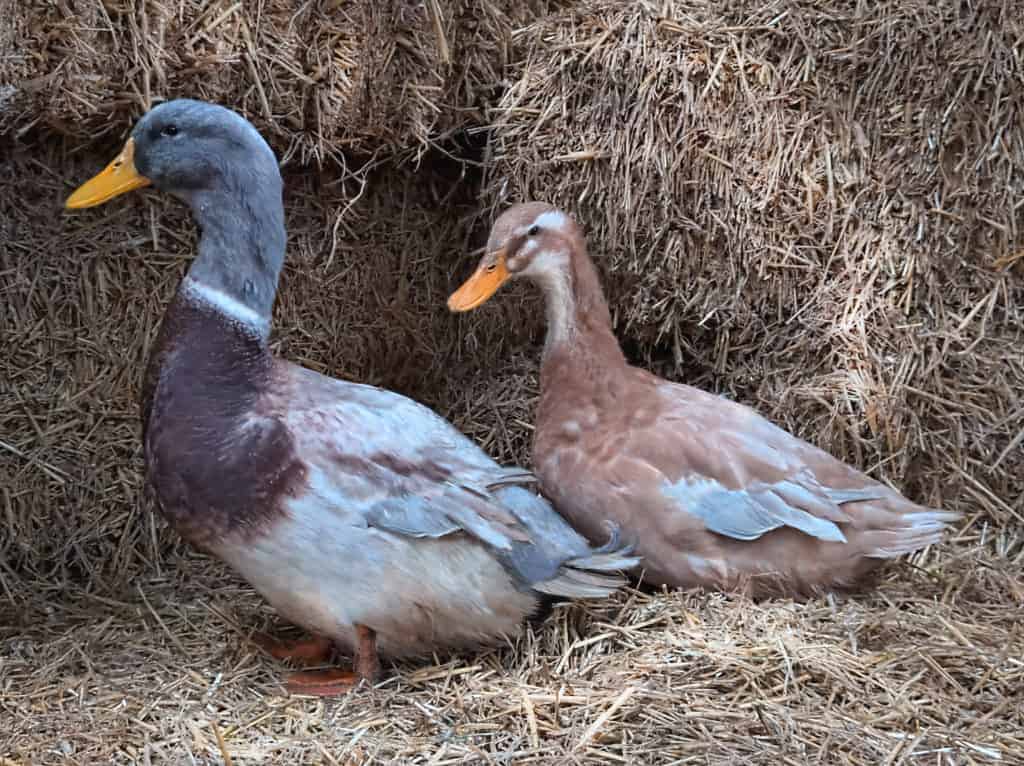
pixel 812 207
pixel 369 76
pixel 361 297
pixel 120 645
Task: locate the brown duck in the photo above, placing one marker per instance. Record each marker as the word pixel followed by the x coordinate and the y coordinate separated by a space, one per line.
pixel 361 515
pixel 713 494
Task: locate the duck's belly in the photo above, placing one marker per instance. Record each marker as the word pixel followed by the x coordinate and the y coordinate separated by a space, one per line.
pixel 327 574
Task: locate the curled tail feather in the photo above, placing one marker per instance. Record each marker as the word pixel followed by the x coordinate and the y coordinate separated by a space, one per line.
pixel 587 576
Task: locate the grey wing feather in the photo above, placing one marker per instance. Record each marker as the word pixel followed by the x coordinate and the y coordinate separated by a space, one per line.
pixel 408 471
pixel 814 499
pixel 511 477
pixel 574 583
pixel 823 527
pixel 734 515
pixel 747 515
pixel 456 508
pixel 840 496
pixel 413 517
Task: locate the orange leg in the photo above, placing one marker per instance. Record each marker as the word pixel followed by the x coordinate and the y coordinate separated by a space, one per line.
pixel 367 663
pixel 331 683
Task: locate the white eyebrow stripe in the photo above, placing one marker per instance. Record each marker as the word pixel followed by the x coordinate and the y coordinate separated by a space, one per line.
pixel 552 219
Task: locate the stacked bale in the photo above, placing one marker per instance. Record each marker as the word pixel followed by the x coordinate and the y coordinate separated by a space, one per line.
pixel 811 206
pixel 362 297
pixel 319 78
pixel 814 207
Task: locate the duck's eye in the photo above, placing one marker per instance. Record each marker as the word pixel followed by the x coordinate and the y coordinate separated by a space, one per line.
pixel 533 231
pixel 170 130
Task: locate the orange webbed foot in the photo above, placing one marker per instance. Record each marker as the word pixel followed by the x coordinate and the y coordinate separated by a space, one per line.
pixel 309 651
pixel 322 683
pixel 331 682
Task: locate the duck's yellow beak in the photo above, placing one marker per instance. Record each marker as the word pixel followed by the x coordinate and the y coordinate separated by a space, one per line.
pixel 489 276
pixel 118 177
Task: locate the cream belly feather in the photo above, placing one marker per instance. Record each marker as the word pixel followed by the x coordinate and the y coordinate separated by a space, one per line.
pixel 321 569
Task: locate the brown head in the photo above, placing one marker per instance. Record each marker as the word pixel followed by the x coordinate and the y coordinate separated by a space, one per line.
pixel 533 240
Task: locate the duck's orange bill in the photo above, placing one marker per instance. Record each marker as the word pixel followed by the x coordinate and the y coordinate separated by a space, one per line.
pixel 118 177
pixel 491 274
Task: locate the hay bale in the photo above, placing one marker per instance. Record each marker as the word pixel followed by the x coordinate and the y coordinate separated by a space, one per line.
pixel 119 645
pixel 317 78
pixel 361 297
pixel 13 64
pixel 809 206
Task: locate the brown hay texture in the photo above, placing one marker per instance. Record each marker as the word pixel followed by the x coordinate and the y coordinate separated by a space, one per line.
pixel 849 271
pixel 814 207
pixel 317 77
pixel 361 297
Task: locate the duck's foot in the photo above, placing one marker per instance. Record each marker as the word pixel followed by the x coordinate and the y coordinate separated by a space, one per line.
pixel 309 651
pixel 322 683
pixel 333 682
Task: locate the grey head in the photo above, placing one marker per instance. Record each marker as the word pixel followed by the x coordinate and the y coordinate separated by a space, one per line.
pixel 188 147
pixel 217 162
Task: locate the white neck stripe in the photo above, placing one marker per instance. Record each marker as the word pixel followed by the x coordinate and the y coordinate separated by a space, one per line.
pixel 561 305
pixel 224 303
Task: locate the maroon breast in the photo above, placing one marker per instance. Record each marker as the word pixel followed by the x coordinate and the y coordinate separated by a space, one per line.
pixel 217 464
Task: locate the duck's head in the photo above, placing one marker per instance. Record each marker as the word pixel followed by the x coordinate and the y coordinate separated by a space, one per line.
pixel 532 240
pixel 185 147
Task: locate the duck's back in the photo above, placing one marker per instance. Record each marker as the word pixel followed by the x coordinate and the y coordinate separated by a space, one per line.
pixel 713 493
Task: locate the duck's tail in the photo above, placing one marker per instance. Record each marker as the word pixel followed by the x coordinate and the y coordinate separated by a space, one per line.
pixel 596 575
pixel 919 529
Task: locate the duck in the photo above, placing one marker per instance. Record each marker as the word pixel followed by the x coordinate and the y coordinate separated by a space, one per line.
pixel 713 495
pixel 360 515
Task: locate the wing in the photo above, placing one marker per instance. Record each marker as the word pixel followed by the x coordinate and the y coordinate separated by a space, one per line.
pixel 390 463
pixel 721 462
pixel 398 464
pixel 743 476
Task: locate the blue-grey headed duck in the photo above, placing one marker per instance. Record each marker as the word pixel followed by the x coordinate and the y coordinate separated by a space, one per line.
pixel 359 514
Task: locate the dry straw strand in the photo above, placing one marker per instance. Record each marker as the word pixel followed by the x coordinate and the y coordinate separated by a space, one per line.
pixel 813 207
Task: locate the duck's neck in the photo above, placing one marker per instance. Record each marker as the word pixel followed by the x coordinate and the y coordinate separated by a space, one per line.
pixel 241 251
pixel 579 322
